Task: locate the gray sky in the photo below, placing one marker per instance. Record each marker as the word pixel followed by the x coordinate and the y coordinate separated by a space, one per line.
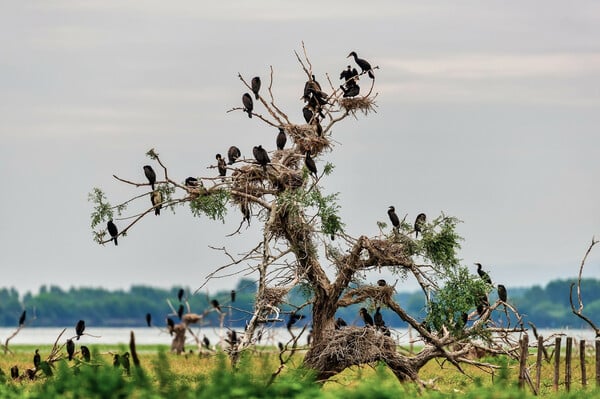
pixel 488 111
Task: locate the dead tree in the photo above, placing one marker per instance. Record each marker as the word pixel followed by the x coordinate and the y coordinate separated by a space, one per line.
pixel 578 311
pixel 304 242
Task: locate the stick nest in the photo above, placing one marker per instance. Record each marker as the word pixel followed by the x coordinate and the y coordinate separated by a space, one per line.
pixel 306 138
pixel 273 296
pixel 389 253
pixel 362 104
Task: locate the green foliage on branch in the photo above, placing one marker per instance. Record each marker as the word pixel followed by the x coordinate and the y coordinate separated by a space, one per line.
pixel 440 243
pixel 213 205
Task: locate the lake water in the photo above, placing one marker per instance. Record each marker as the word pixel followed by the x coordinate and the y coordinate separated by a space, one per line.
pixel 154 335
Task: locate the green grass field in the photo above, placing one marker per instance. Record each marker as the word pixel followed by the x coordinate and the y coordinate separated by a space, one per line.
pixel 164 375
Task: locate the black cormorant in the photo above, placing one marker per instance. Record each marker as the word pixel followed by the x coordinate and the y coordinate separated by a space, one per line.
pixel 255 86
pixel 79 328
pixel 85 352
pixel 381 283
pixel 352 91
pixel 180 294
pixel 294 317
pixel 339 323
pixel 112 230
pixel 149 319
pixel 484 276
pixel 363 64
pixel 221 165
pixel 419 223
pixel 261 156
pixel 281 347
pixel 502 293
pixel 70 348
pixel 378 318
pixel 156 198
pixel 281 139
pixel 191 182
pixel 170 325
pixel 482 303
pixel 310 164
pixel 180 311
pixel 125 362
pixel 248 104
pixel 232 295
pixel 215 304
pixel 393 217
pixel 206 342
pixel 14 372
pixel 22 318
pixel 150 175
pixel 366 317
pixel 37 359
pixel 116 360
pixel 308 113
pixel 233 154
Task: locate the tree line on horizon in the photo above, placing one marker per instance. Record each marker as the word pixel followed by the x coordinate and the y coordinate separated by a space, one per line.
pixel 546 306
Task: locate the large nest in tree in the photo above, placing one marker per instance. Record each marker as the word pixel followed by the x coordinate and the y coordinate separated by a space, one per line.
pixel 249 179
pixel 306 138
pixel 354 104
pixel 350 346
pixel 389 253
pixel 273 296
pixel 374 292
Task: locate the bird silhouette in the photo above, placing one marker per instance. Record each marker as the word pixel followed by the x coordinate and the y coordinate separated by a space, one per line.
pixel 484 276
pixel 205 342
pixel 156 198
pixel 245 208
pixel 149 319
pixel 14 372
pixel 261 156
pixel 281 139
pixel 37 359
pixel 381 283
pixel 221 166
pixel 85 352
pixel 191 182
pixel 113 231
pixel 150 175
pixel 310 164
pixel 339 323
pixel 215 304
pixel 22 318
pixel 70 348
pixel 255 83
pixel 363 64
pixel 419 223
pixel 233 154
pixel 248 104
pixel 502 294
pixel 366 317
pixel 180 294
pixel 232 295
pixel 393 217
pixel 170 325
pixel 378 318
pixel 180 311
pixel 79 328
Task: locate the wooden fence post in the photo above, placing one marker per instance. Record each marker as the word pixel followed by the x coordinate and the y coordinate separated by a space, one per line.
pixel 597 363
pixel 538 364
pixel 568 369
pixel 582 362
pixel 556 362
pixel 523 360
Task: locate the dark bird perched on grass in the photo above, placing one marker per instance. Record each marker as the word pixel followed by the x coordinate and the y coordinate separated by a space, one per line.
pixel 22 318
pixel 261 156
pixel 191 182
pixel 149 319
pixel 363 64
pixel 378 318
pixel 205 342
pixel 113 231
pixel 85 352
pixel 221 166
pixel 233 154
pixel 215 304
pixel 255 83
pixel 150 175
pixel 180 294
pixel 393 217
pixel 310 164
pixel 125 363
pixel 502 294
pixel 116 360
pixel 308 113
pixel 180 311
pixel 366 317
pixel 156 198
pixel 294 317
pixel 280 346
pixel 232 296
pixel 419 223
pixel 281 139
pixel 14 372
pixel 37 359
pixel 170 325
pixel 484 276
pixel 339 323
pixel 79 328
pixel 248 104
pixel 381 283
pixel 70 348
pixel 245 208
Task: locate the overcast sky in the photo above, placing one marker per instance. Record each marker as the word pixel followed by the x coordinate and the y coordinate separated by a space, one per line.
pixel 488 111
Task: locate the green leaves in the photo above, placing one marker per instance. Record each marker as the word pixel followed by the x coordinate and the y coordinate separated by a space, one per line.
pixel 102 208
pixel 213 205
pixel 439 242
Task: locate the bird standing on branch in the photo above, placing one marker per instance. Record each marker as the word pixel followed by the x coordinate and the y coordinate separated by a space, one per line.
pixel 281 139
pixel 215 304
pixel 502 294
pixel 37 359
pixel 255 83
pixel 22 318
pixel 261 156
pixel 221 166
pixel 112 230
pixel 70 348
pixel 248 104
pixel 366 317
pixel 419 223
pixel 156 198
pixel 393 217
pixel 79 328
pixel 363 64
pixel 150 175
pixel 233 154
pixel 310 164
pixel 484 276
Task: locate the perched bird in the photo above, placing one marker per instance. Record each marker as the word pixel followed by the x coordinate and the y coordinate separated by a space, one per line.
pixel 180 294
pixel 156 198
pixel 180 311
pixel 378 318
pixel 281 139
pixel 70 348
pixel 281 347
pixel 233 154
pixel 85 352
pixel 112 230
pixel 246 212
pixel 248 104
pixel 363 64
pixel 37 359
pixel 351 91
pixel 307 113
pixel 191 182
pixel 419 223
pixel 149 319
pixel 116 360
pixel 339 323
pixel 232 295
pixel 346 74
pixel 482 303
pixel 310 164
pixel 22 318
pixel 206 342
pixel 150 175
pixel 393 217
pixel 231 337
pixel 484 276
pixel 502 294
pixel 14 372
pixel 255 83
pixel 366 317
pixel 221 166
pixel 126 363
pixel 381 283
pixel 215 304
pixel 170 325
pixel 79 328
pixel 261 156
pixel 294 317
